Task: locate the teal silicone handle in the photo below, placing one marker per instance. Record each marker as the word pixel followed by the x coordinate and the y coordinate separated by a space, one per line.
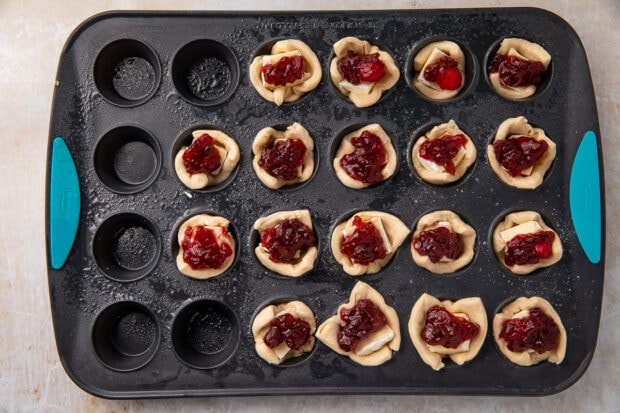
pixel 585 197
pixel 64 203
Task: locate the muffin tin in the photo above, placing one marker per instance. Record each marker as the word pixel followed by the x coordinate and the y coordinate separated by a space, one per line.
pixel 130 88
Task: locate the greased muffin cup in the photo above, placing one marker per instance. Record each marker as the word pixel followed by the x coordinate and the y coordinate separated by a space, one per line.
pixel 129 324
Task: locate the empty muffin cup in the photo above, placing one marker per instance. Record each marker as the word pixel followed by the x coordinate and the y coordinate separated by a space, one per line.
pixel 126 246
pixel 127 72
pixel 125 336
pixel 127 159
pixel 205 334
pixel 205 72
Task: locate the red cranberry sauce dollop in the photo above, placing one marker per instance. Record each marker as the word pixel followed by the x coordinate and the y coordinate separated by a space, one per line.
pixel 289 329
pixel 365 244
pixel 285 71
pixel 445 73
pixel 202 156
pixel 367 160
pixel 443 150
pixel 438 243
pixel 286 239
pixel 283 159
pixel 443 328
pixel 360 320
pixel 516 72
pixel 528 248
pixel 519 153
pixel 201 249
pixel 536 332
pixel 361 68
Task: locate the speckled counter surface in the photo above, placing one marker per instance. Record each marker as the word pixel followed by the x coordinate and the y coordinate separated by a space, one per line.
pixel 32 34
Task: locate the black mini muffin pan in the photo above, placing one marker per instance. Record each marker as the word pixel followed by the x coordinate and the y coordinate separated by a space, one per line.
pixel 132 85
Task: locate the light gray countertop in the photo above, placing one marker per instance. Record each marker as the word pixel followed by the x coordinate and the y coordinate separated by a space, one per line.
pixel 32 34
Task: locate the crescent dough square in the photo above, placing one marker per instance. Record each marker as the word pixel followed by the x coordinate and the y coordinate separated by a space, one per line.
pixel 362 47
pixel 346 148
pixel 471 306
pixel 266 137
pixel 421 59
pixel 443 177
pixel 261 326
pixel 395 229
pixel 466 234
pixel 529 358
pixel 527 49
pixel 520 127
pixel 292 92
pixel 308 257
pixel 517 218
pixel 207 221
pixel 225 145
pixel 327 332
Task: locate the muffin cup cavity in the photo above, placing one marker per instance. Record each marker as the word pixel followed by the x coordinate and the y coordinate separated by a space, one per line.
pixel 127 72
pixel 205 334
pixel 125 336
pixel 127 159
pixel 205 72
pixel 471 71
pixel 126 246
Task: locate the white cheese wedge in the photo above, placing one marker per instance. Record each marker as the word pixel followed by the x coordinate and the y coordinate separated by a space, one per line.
pixel 435 167
pixel 522 314
pixel 364 88
pixel 374 341
pixel 436 54
pixel 281 350
pixel 529 227
pixel 513 52
pixel 376 221
pixel 464 346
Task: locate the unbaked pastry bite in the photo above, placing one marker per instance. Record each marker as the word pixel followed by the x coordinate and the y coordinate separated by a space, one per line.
pixel 439 70
pixel 365 157
pixel 283 158
pixel 517 68
pixel 440 329
pixel 291 70
pixel 287 242
pixel 283 331
pixel 361 71
pixel 523 242
pixel 206 247
pixel 521 154
pixel 365 329
pixel 367 241
pixel 208 160
pixel 442 243
pixel 528 331
pixel 443 154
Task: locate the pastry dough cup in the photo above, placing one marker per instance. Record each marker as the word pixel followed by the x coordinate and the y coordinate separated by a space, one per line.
pixel 261 325
pixel 466 234
pixel 345 147
pixel 531 51
pixel 517 218
pixel 362 47
pixel 442 177
pixel 209 221
pixel 266 138
pixel 306 260
pixel 294 91
pixel 421 58
pixel 395 229
pixel 519 126
pixel 472 307
pixel 529 358
pixel 327 332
